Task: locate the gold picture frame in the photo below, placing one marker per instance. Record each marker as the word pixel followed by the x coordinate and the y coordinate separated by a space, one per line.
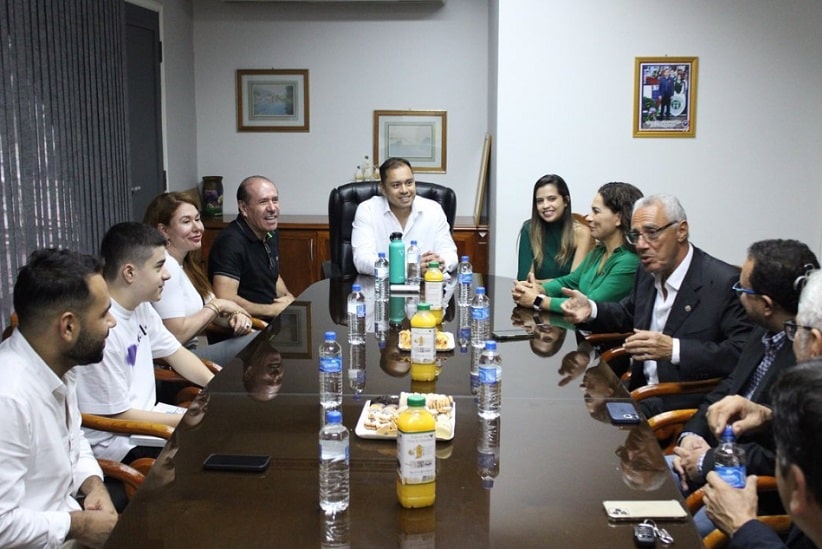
pixel 272 100
pixel 418 136
pixel 665 96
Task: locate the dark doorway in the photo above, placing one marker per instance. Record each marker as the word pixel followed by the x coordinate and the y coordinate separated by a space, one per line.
pixel 143 57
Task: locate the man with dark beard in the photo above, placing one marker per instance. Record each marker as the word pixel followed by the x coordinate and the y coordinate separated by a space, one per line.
pixel 62 303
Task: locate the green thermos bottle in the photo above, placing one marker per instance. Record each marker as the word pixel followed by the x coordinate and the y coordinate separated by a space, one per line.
pixel 396 259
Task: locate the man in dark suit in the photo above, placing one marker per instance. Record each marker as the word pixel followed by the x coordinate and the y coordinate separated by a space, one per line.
pixel 686 320
pixel 797 424
pixel 770 296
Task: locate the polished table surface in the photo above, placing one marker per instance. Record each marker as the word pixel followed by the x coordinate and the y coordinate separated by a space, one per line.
pixel 559 455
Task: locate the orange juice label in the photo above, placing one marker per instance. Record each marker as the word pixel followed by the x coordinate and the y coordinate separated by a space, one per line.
pixel 416 456
pixel 423 345
pixel 433 294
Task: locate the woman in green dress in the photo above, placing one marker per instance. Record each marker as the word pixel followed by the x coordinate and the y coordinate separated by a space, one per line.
pixel 551 243
pixel 607 272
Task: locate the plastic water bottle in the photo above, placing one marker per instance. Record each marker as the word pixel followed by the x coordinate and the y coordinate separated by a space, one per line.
pixel 480 318
pixel 396 259
pixel 488 451
pixel 412 263
pixel 381 278
pixel 465 277
pixel 464 327
pixel 729 459
pixel 330 372
pixel 356 315
pixel 334 491
pixel 490 382
pixel 356 368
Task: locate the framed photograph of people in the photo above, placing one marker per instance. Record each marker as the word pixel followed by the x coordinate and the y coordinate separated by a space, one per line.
pixel 665 96
pixel 418 136
pixel 272 100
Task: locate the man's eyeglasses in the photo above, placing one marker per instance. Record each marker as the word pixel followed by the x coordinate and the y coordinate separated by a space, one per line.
pixel 741 290
pixel 791 327
pixel 649 235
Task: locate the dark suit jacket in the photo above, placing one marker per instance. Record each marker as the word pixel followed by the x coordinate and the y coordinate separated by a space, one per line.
pixel 754 534
pixel 759 445
pixel 707 318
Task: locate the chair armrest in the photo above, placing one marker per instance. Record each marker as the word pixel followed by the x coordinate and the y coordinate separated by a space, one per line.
pixel 675 388
pixel 764 483
pixel 130 477
pixel 126 426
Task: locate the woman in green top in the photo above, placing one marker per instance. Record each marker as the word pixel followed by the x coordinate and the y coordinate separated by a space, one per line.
pixel 607 272
pixel 551 243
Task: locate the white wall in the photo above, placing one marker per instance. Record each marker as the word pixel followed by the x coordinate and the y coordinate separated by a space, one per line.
pixel 564 93
pixel 361 58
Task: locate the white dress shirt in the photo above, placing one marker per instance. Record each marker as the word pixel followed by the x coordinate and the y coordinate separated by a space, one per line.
pixel 44 457
pixel 374 222
pixel 662 308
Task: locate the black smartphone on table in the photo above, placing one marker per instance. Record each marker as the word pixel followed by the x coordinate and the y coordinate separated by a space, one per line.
pixel 622 413
pixel 237 462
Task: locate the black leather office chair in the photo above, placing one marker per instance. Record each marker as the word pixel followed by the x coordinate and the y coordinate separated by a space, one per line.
pixel 342 206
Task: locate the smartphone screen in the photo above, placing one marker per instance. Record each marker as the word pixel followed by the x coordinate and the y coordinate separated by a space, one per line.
pixel 236 462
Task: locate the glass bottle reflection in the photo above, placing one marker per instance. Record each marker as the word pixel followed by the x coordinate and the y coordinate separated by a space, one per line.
pixel 356 368
pixel 335 530
pixel 488 442
pixel 396 311
pixel 381 322
pixel 476 353
pixel 464 327
pixel 417 528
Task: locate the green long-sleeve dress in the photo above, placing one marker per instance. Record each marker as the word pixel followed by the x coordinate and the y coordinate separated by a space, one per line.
pixel 551 240
pixel 612 283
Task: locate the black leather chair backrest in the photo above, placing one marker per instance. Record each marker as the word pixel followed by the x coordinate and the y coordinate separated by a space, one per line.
pixel 342 206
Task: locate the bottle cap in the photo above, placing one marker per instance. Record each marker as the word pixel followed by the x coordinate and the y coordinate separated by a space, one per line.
pixel 330 336
pixel 480 290
pixel 490 345
pixel 464 259
pixel 395 236
pixel 413 242
pixel 728 433
pixel 416 401
pixel 380 254
pixel 423 307
pixel 356 288
pixel 333 416
pixel 433 264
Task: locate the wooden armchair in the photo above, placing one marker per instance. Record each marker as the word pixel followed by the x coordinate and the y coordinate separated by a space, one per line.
pixel 717 539
pixel 131 477
pixel 668 425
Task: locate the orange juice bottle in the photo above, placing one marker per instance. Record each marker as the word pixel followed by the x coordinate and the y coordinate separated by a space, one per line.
pixel 416 455
pixel 433 289
pixel 423 344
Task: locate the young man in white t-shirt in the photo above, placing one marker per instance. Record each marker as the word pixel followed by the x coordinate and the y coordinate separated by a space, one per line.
pixel 122 385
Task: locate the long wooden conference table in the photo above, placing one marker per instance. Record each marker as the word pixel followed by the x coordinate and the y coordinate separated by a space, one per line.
pixel 559 455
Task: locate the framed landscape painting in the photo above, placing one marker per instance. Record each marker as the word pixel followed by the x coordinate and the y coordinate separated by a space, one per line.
pixel 272 100
pixel 418 136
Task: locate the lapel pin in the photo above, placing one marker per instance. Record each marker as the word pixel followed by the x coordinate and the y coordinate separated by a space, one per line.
pixel 687 308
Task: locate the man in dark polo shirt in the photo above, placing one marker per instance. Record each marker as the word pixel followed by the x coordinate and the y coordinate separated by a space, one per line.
pixel 244 261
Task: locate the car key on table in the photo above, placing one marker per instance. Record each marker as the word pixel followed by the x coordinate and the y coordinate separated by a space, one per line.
pixel 647 532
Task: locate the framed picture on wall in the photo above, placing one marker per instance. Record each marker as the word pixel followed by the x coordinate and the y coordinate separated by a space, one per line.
pixel 665 96
pixel 418 136
pixel 272 100
pixel 294 337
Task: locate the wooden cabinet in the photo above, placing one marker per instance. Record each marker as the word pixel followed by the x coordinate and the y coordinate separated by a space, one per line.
pixel 305 245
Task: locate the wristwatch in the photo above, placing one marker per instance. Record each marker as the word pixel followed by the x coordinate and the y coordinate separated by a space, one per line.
pixel 538 302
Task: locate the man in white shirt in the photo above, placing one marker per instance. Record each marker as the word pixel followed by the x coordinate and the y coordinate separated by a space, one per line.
pixel 122 385
pixel 400 210
pixel 62 304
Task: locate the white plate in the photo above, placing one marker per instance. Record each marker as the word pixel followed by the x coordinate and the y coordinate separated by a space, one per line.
pixel 361 431
pixel 449 344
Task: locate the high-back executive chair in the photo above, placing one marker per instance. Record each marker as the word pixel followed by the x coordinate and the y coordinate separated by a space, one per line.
pixel 342 206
